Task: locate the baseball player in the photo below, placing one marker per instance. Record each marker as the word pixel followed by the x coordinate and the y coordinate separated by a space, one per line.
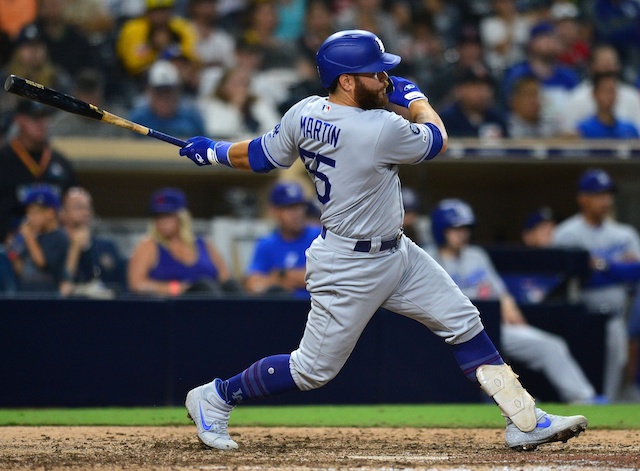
pixel 361 261
pixel 615 251
pixel 471 268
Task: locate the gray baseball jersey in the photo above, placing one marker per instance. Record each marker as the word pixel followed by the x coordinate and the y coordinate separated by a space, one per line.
pixel 352 156
pixel 613 242
pixel 542 351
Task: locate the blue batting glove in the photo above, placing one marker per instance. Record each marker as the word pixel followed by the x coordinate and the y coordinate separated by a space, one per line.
pixel 404 92
pixel 200 150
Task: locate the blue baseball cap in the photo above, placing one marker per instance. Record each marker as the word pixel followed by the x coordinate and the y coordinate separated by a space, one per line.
pixel 596 181
pixel 287 194
pixel 43 196
pixel 167 201
pixel 536 217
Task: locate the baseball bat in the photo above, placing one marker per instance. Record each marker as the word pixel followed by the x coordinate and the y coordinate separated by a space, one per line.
pixel 47 96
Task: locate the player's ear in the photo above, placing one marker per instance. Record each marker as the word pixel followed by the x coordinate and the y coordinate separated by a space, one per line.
pixel 347 82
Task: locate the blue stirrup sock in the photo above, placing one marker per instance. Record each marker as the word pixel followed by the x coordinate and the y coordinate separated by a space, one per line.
pixel 476 352
pixel 266 377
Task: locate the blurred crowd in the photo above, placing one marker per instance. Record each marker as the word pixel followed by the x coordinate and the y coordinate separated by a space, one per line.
pixel 229 69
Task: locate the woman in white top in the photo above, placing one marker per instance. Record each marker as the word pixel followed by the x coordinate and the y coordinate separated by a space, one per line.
pixel 233 112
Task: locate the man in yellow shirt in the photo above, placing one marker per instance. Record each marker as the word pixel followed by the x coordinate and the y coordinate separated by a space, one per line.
pixel 142 40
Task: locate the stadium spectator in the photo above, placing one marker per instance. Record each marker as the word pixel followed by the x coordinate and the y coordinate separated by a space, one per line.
pixel 604 124
pixel 412 224
pixel 318 26
pixel 471 269
pixel 615 22
pixel 143 39
pixel 575 50
pixel 30 60
pixel 165 108
pixel 370 15
pixel 542 62
pixel 39 248
pixel 474 113
pixel 214 46
pixel 28 158
pixel 68 46
pixel 446 19
pixel 527 116
pixel 16 15
pixel 581 102
pixel 172 260
pixel 261 20
pixel 91 17
pixel 614 248
pixel 93 267
pixel 89 87
pixel 504 35
pixel 233 111
pixel 291 14
pixel 438 70
pixel 278 264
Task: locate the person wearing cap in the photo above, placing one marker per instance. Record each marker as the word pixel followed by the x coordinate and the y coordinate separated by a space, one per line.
pixel 615 252
pixel 471 269
pixel 28 158
pixel 165 108
pixel 279 260
pixel 557 80
pixel 172 260
pixel 39 248
pixel 538 228
pixel 143 39
pixel 94 266
pixel 474 113
pixel 30 59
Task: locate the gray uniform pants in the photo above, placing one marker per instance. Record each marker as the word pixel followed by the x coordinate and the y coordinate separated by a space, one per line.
pixel 348 287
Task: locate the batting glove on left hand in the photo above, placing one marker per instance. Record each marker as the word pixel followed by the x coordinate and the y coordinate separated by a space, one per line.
pixel 404 92
pixel 204 151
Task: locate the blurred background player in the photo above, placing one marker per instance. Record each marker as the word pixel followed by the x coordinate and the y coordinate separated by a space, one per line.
pixel 611 244
pixel 472 270
pixel 279 260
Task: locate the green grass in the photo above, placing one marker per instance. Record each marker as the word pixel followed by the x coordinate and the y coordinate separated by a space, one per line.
pixel 617 416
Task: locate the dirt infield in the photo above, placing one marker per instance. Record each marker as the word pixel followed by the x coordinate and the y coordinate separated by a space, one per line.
pixel 177 448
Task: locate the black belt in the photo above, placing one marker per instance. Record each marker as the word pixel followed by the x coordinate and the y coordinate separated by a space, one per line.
pixel 365 245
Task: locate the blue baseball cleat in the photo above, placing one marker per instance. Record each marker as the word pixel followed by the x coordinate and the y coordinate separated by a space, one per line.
pixel 549 428
pixel 211 416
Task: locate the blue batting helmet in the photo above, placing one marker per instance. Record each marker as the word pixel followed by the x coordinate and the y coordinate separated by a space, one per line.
pixel 450 213
pixel 352 51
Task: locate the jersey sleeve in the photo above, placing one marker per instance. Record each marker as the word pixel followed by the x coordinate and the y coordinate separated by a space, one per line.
pixel 404 142
pixel 277 148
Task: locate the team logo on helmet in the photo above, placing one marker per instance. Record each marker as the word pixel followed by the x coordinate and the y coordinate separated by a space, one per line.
pixel 380 45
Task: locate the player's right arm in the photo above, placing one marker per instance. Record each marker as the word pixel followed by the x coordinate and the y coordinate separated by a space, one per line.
pixel 408 95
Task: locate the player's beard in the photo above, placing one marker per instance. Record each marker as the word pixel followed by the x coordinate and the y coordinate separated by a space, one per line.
pixel 368 99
